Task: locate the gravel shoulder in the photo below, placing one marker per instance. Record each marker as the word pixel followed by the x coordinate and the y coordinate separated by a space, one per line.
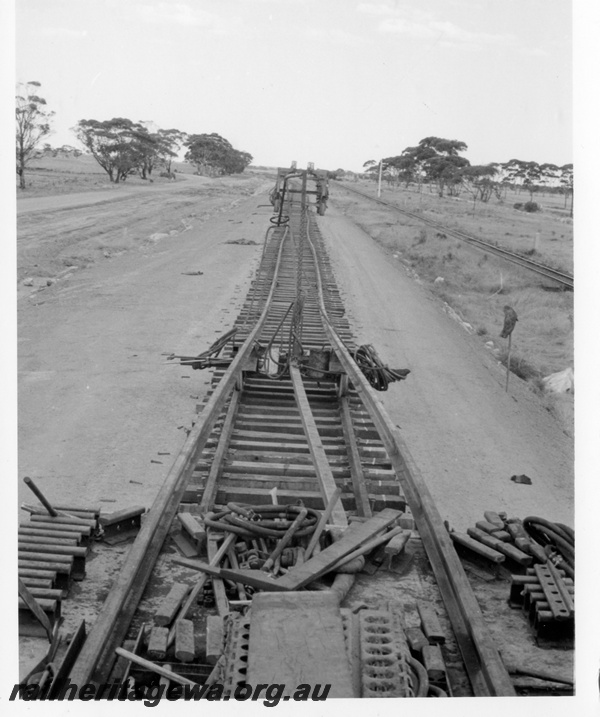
pixel 97 399
pixel 102 414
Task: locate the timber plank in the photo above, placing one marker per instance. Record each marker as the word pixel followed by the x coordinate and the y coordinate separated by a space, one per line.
pixel 318 565
pixel 215 640
pixel 317 450
pixel 356 470
pixel 218 586
pixel 169 606
pixel 277 458
pixel 185 648
pixel 430 623
pixel 157 643
pixel 255 578
pixel 276 436
pixel 240 446
pixel 289 469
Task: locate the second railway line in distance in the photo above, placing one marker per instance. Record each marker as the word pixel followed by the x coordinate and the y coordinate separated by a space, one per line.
pixel 563 279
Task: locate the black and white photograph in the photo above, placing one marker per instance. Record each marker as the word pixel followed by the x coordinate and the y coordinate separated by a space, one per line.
pixel 292 335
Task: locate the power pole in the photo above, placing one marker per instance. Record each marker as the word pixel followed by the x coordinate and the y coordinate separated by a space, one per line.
pixel 379 182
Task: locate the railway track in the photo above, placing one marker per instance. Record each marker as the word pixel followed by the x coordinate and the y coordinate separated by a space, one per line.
pixel 566 281
pixel 290 419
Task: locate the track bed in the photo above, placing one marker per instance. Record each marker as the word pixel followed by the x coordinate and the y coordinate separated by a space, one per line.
pixel 292 423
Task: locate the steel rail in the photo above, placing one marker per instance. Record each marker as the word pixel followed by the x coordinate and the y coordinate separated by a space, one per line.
pixel 95 660
pixel 483 663
pixel 548 272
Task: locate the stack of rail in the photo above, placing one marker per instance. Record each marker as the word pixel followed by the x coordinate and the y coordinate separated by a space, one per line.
pixel 52 551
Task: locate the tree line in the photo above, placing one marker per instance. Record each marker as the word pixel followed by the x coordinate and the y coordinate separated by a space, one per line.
pixel 438 163
pixel 123 147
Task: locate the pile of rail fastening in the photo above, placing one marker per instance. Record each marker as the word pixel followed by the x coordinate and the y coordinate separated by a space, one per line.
pixel 294 542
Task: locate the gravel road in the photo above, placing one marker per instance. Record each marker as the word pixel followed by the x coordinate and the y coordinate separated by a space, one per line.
pixel 99 403
pixel 102 414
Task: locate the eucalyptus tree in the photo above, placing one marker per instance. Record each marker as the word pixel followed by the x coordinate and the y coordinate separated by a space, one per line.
pixel 213 155
pixel 438 161
pixel 120 146
pixel 33 124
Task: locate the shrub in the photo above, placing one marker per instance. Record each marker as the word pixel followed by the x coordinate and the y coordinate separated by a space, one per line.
pixel 422 238
pixel 527 207
pixel 520 366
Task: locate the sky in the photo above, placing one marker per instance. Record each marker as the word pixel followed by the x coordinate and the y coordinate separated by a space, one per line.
pixel 334 82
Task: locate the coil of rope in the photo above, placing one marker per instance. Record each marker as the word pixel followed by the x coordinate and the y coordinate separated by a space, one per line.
pixel 376 372
pixel 556 538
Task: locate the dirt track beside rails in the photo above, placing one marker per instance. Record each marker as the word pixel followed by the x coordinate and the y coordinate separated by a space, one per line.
pixel 102 415
pixel 98 403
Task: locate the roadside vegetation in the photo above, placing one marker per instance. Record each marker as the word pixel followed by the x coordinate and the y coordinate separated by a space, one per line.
pixel 120 147
pixel 522 206
pixel 477 285
pixel 33 124
pixel 438 165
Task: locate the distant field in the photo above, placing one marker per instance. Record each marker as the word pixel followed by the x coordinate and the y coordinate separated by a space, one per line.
pixel 476 285
pixel 547 235
pixel 63 175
